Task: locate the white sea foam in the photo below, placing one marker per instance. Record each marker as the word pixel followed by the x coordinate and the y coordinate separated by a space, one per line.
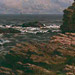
pixel 2 41
pixel 53 28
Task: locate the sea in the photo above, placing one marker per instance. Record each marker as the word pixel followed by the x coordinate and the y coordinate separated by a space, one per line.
pixel 22 18
pixel 10 40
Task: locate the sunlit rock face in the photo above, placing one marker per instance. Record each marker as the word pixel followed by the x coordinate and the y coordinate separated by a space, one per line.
pixel 69 19
pixel 32 58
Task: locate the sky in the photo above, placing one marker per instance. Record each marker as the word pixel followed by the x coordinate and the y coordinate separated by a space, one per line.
pixel 33 6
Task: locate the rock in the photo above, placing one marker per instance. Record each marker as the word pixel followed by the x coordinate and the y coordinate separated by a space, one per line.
pixel 70 69
pixel 69 19
pixel 66 39
pixel 33 24
pixel 6 71
pixel 32 58
pixel 9 30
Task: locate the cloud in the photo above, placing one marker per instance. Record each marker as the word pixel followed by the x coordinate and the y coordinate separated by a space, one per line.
pixel 33 6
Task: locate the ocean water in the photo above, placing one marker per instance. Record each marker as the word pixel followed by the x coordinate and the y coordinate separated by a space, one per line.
pixel 22 18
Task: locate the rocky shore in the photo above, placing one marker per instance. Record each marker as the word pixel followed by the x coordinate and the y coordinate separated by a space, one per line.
pixel 57 57
pixel 29 58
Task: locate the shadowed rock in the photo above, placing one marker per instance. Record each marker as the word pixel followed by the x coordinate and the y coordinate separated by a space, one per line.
pixel 69 19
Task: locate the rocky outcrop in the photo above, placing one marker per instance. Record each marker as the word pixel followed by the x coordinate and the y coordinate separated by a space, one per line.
pixel 40 58
pixel 9 30
pixel 70 69
pixel 33 24
pixel 69 19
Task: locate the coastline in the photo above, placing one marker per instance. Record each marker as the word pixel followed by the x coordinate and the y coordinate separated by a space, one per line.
pixel 32 54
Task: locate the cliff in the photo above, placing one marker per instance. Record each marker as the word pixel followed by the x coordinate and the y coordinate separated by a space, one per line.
pixel 69 19
pixel 54 58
